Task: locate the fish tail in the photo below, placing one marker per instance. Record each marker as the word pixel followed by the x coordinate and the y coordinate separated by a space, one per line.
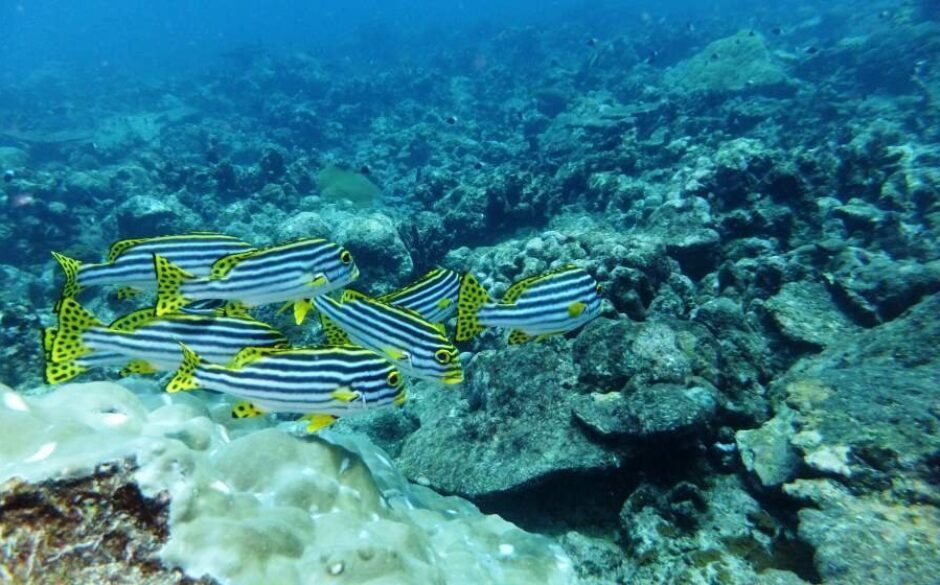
pixel 48 339
pixel 185 376
pixel 74 321
pixel 58 372
pixel 470 300
pixel 170 280
pixel 70 267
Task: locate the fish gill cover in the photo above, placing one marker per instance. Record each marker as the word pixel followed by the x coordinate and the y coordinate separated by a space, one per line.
pixel 680 262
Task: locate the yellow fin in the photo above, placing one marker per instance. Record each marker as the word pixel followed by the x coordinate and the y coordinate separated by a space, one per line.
pixel 224 265
pixel 318 281
pixel 70 267
pixel 235 309
pixel 245 409
pixel 142 367
pixel 576 308
pixel 56 373
pixel 74 321
pixel 395 353
pixel 440 327
pixel 333 333
pixel 127 292
pixel 170 279
pixel 319 421
pixel 48 338
pixel 443 303
pixel 400 398
pixel 133 321
pixel 470 300
pixel 249 355
pixel 121 246
pixel 185 376
pixel 352 295
pixel 517 336
pixel 301 308
pixel 345 394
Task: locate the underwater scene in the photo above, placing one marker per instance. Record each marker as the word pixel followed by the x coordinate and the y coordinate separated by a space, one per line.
pixel 470 293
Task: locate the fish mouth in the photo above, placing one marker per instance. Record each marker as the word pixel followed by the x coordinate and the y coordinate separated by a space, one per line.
pixel 453 377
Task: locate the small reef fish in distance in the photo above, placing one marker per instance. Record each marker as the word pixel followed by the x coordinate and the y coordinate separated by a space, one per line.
pixel 129 263
pixel 536 307
pixel 401 336
pixel 322 383
pixel 147 342
pixel 294 271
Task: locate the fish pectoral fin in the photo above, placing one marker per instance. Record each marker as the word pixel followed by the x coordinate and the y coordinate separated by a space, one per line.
pixel 345 394
pixel 318 421
pixel 576 308
pixel 301 308
pixel 318 280
pixel 400 398
pixel 443 303
pixel 395 353
pixel 245 409
pixel 518 336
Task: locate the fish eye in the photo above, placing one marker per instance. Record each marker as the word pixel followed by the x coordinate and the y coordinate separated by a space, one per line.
pixel 443 356
pixel 394 378
pixel 345 257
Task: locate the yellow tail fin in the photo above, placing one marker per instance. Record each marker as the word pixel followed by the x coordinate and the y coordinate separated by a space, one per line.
pixel 185 376
pixel 470 300
pixel 48 338
pixel 56 373
pixel 74 321
pixel 70 267
pixel 170 279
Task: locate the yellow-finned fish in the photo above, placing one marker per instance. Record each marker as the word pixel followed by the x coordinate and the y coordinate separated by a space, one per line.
pixel 321 382
pixel 287 272
pixel 547 304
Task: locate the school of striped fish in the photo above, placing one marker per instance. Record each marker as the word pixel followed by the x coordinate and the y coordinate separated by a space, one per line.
pixel 200 326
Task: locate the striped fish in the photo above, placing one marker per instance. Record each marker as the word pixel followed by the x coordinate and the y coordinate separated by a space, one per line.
pixel 433 296
pixel 58 372
pixel 288 272
pixel 146 343
pixel 547 304
pixel 322 382
pixel 130 262
pixel 416 346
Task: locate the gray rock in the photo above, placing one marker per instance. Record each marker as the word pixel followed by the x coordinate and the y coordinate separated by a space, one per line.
pixel 376 246
pixel 512 428
pixel 805 313
pixel 147 215
pixel 660 411
pixel 12 158
pixel 766 451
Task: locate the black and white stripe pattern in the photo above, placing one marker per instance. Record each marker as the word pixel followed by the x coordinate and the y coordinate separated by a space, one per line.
pixel 194 253
pixel 297 270
pixel 415 345
pixel 216 339
pixel 433 296
pixel 311 380
pixel 545 305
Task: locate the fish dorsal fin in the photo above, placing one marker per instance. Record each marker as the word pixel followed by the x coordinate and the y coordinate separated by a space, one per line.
pixel 225 264
pixel 350 294
pixel 333 333
pixel 121 246
pixel 134 321
pixel 249 355
pixel 517 288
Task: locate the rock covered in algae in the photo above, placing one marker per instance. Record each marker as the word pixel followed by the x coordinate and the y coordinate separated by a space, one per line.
pixel 266 507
